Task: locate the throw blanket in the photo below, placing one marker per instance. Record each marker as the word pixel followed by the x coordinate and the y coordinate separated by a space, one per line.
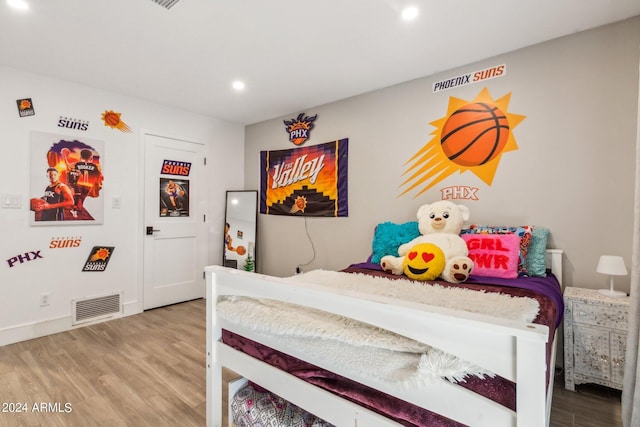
pixel 359 347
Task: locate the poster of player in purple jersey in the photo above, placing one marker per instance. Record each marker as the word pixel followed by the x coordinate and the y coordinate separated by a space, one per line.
pixel 174 197
pixel 66 179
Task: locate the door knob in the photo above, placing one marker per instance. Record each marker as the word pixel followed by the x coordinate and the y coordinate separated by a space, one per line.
pixel 150 231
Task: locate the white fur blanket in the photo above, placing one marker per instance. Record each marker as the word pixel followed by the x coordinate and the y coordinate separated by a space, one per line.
pixel 360 347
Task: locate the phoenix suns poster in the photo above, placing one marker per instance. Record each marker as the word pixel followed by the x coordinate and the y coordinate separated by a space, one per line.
pixel 306 181
pixel 66 179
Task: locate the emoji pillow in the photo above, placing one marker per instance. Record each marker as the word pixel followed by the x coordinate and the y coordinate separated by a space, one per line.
pixel 424 261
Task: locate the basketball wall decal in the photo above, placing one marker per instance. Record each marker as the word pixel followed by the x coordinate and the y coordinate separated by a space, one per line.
pixel 240 250
pixel 111 118
pixel 474 134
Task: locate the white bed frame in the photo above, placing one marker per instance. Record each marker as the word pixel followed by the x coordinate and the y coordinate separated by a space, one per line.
pixel 513 350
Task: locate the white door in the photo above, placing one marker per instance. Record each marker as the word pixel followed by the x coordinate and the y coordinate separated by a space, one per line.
pixel 174 244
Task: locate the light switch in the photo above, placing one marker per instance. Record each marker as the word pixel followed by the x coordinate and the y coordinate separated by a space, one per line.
pixel 11 201
pixel 116 202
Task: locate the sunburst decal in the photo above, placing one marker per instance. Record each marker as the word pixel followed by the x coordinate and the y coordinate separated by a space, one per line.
pixel 114 121
pixel 100 254
pixel 299 205
pixel 473 136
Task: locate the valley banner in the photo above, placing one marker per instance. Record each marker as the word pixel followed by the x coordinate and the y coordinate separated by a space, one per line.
pixel 305 181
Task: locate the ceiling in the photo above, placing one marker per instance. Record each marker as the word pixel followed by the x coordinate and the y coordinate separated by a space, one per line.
pixel 293 55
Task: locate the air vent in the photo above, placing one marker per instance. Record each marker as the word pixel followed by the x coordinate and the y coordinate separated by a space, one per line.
pixel 89 309
pixel 168 4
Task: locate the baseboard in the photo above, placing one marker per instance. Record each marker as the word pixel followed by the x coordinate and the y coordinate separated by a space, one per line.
pixel 28 331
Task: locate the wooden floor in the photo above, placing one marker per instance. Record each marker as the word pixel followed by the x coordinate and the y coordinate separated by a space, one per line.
pixel 149 370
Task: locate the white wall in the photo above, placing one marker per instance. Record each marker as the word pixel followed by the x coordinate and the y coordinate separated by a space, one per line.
pixel 573 171
pixel 59 270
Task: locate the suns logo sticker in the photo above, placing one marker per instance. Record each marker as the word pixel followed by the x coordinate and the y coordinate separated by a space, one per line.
pixel 113 120
pixel 299 128
pixel 472 136
pixel 98 258
pixel 25 107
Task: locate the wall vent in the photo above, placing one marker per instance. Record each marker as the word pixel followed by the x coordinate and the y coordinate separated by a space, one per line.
pixel 94 308
pixel 166 3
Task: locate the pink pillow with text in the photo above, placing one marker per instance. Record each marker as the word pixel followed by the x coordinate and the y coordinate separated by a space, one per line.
pixel 494 255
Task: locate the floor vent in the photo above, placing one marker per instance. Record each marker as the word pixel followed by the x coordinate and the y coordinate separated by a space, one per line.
pixel 166 3
pixel 89 309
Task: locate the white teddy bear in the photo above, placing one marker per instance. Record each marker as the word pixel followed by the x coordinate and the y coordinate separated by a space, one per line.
pixel 439 223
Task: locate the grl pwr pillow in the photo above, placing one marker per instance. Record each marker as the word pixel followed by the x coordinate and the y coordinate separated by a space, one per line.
pixel 494 255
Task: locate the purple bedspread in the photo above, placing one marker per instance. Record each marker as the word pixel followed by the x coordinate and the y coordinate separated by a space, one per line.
pixel 546 290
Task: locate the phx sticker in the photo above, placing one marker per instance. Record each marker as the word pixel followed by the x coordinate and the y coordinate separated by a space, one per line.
pixel 25 107
pixel 299 128
pixel 114 121
pixel 98 258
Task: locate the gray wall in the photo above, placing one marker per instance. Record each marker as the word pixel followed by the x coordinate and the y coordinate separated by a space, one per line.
pixel 573 171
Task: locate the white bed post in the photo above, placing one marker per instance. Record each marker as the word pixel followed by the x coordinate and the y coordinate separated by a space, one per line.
pixel 531 370
pixel 214 370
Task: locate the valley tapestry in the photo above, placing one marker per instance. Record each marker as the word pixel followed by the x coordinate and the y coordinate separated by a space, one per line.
pixel 306 181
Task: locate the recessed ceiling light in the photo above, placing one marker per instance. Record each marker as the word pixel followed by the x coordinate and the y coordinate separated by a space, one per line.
pixel 409 13
pixel 238 85
pixel 18 4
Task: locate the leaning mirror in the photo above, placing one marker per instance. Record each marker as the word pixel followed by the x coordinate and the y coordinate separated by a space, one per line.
pixel 240 230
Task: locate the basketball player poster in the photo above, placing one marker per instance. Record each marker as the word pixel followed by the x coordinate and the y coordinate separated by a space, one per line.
pixel 174 197
pixel 306 181
pixel 65 180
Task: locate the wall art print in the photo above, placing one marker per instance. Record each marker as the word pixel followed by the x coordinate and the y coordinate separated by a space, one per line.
pixel 472 136
pixel 65 180
pixel 174 197
pixel 305 181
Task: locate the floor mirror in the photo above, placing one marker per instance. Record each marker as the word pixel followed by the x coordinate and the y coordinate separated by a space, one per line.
pixel 240 230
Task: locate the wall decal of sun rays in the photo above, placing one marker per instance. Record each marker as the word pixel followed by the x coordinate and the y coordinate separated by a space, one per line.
pixel 472 136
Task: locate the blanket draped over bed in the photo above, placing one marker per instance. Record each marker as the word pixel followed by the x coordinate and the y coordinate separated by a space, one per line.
pixel 518 299
pixel 363 348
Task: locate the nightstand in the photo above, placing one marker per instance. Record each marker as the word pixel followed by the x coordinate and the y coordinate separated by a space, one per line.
pixel 595 338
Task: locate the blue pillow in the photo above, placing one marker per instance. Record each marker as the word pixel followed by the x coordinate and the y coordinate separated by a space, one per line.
pixel 537 254
pixel 388 236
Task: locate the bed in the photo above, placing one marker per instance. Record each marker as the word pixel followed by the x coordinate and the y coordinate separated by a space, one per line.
pixel 518 354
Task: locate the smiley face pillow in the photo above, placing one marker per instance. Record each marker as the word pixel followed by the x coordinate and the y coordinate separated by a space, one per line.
pixel 424 261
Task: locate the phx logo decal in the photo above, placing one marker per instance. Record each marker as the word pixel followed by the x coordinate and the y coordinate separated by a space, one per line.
pixel 25 107
pixel 299 128
pixel 113 120
pixel 473 136
pixel 98 258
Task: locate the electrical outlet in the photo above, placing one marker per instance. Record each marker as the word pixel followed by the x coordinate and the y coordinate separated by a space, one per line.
pixel 44 299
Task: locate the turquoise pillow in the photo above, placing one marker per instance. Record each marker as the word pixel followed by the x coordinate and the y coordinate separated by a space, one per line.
pixel 388 236
pixel 537 255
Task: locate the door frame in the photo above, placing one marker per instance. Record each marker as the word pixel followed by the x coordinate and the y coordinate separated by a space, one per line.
pixel 203 202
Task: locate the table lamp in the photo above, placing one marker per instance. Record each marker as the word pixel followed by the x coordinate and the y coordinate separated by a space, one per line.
pixel 613 266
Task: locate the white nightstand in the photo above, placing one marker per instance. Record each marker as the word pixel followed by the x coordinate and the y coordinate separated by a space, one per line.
pixel 595 338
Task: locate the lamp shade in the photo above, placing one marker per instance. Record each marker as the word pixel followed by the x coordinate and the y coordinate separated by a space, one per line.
pixel 613 265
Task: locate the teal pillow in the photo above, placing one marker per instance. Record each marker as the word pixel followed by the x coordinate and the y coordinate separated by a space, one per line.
pixel 536 256
pixel 388 236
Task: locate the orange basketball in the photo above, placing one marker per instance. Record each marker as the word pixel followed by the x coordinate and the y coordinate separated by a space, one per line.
pixel 240 250
pixel 111 118
pixel 53 158
pixel 474 134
